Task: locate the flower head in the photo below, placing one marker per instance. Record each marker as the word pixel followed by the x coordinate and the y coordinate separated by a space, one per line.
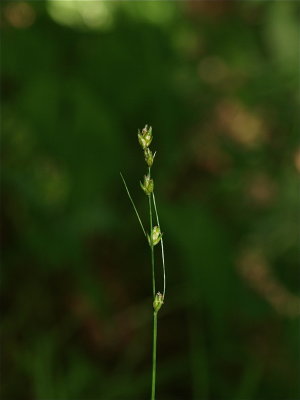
pixel 155 236
pixel 158 302
pixel 149 157
pixel 148 185
pixel 145 137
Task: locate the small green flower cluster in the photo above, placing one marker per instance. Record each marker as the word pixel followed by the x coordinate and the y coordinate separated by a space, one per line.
pixel 158 301
pixel 145 138
pixel 148 185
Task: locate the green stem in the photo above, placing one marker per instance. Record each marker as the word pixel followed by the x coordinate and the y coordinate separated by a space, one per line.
pixel 154 355
pixel 162 246
pixel 151 245
pixel 154 293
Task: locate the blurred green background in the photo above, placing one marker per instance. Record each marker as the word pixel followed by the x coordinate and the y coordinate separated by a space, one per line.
pixel 219 83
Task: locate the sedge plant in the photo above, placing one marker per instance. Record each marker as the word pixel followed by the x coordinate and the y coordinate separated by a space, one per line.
pixel 154 237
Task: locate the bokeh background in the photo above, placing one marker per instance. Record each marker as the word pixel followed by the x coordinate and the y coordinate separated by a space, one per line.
pixel 219 83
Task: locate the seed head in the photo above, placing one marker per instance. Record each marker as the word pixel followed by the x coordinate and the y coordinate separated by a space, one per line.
pixel 155 236
pixel 158 302
pixel 148 185
pixel 145 137
pixel 149 157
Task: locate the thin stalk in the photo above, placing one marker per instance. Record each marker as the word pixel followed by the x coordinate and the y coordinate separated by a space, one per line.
pixel 154 356
pixel 161 245
pixel 154 294
pixel 151 244
pixel 152 249
pixel 133 205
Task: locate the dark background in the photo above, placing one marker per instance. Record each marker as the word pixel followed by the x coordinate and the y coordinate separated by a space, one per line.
pixel 219 83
